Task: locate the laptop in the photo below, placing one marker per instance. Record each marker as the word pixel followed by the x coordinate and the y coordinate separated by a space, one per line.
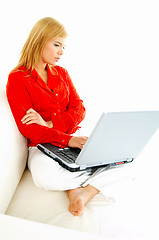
pixel 117 138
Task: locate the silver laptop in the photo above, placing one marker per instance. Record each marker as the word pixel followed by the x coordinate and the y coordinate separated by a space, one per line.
pixel 117 139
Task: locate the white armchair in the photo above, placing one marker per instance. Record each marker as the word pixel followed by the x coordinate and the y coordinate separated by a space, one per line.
pixel 111 217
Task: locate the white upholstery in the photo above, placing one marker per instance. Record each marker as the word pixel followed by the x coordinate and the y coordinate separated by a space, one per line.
pixel 51 207
pixel 123 212
pixel 13 153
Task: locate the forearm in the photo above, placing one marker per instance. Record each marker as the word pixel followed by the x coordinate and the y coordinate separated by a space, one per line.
pixel 41 134
pixel 69 120
pixel 38 133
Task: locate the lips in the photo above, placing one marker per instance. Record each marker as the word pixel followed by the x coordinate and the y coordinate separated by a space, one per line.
pixel 57 59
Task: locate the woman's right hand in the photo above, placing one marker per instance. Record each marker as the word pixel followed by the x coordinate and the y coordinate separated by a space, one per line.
pixel 33 117
pixel 77 142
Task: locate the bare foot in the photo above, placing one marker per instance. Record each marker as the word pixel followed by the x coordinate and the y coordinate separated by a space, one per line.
pixel 79 197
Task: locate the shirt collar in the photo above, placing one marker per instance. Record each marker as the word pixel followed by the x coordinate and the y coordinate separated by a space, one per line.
pixel 51 71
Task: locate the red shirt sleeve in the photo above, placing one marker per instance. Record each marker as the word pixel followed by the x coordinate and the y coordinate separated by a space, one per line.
pixel 68 120
pixel 20 101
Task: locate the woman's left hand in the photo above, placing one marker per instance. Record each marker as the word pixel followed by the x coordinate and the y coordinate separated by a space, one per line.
pixel 33 117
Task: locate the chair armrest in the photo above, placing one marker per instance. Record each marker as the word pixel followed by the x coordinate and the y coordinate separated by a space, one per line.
pixel 13 153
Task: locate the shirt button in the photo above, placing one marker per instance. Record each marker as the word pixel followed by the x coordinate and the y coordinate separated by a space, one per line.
pixel 63 140
pixel 55 114
pixel 56 94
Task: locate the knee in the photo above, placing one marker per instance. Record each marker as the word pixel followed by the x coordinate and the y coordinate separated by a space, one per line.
pixel 47 180
pixel 45 172
pixel 49 175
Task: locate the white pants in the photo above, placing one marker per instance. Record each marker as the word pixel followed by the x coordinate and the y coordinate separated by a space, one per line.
pixel 49 175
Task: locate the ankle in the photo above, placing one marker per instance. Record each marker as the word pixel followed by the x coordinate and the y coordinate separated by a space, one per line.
pixel 91 190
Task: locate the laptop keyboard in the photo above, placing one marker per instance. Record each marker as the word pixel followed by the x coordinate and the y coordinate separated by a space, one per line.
pixel 68 154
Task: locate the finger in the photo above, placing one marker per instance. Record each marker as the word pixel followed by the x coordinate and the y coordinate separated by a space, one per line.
pixel 24 119
pixel 30 111
pixel 80 145
pixel 83 142
pixel 84 139
pixel 29 118
pixel 31 122
pixel 28 115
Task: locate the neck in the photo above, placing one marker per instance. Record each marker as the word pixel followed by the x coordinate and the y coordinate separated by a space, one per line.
pixel 41 67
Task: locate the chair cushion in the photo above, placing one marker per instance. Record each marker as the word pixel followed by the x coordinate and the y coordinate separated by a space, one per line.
pixel 51 207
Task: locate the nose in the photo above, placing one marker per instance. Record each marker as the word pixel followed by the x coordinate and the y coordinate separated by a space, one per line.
pixel 61 52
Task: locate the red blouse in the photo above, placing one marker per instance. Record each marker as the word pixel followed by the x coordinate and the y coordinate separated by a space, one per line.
pixel 58 101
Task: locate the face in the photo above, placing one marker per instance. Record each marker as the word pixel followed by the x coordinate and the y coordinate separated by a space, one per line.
pixel 53 50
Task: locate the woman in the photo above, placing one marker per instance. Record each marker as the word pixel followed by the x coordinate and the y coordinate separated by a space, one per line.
pixel 47 108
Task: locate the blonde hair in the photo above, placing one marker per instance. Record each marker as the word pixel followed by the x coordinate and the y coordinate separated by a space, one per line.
pixel 45 29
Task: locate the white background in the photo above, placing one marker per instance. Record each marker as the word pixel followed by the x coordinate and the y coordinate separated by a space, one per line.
pixel 112 51
pixel 112 56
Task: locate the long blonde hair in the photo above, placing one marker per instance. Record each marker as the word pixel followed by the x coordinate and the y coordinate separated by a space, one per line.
pixel 45 29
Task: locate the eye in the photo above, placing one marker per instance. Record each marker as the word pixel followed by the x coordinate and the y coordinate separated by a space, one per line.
pixel 59 46
pixel 56 45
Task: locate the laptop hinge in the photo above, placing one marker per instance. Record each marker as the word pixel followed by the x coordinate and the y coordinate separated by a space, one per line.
pixel 82 167
pixel 129 159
